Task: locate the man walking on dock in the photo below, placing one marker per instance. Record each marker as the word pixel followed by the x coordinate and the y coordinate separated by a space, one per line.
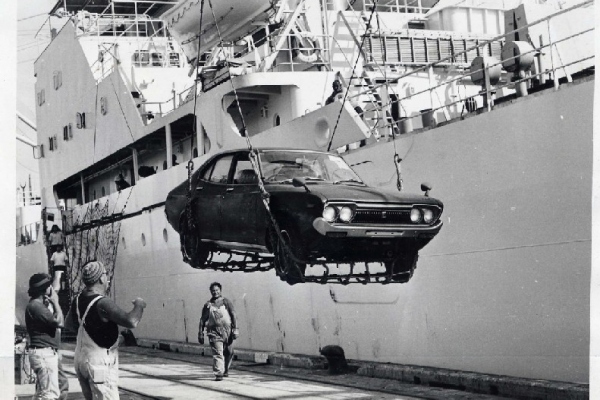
pixel 220 321
pixel 96 319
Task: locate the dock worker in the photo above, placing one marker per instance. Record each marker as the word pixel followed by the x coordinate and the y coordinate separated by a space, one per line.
pixel 59 262
pixel 121 183
pixel 55 238
pixel 43 318
pixel 218 317
pixel 96 319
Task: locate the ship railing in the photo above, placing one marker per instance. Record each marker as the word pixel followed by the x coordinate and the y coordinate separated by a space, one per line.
pixel 162 108
pixel 291 46
pixel 28 234
pixel 485 93
pixel 28 198
pixel 107 23
pixel 397 6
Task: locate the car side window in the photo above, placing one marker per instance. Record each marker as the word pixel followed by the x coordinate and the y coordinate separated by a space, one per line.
pixel 219 171
pixel 244 173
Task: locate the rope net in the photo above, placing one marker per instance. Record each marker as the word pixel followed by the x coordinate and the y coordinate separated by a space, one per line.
pixel 93 236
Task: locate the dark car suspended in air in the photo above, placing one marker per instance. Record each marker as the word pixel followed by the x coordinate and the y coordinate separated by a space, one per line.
pixel 320 212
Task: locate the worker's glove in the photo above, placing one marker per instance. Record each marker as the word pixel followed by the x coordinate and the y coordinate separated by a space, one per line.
pixel 235 333
pixel 201 338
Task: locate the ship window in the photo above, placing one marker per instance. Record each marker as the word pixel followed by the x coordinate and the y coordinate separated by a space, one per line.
pixel 174 60
pixel 80 120
pixel 57 77
pixel 103 191
pixel 66 132
pixel 157 59
pixel 53 143
pixel 94 198
pixel 276 120
pixel 141 58
pixel 165 235
pixel 103 105
pixel 264 112
pixel 41 97
pixel 416 25
pixel 143 239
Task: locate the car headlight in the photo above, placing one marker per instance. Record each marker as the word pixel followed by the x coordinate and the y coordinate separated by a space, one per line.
pixel 329 213
pixel 415 215
pixel 427 215
pixel 346 214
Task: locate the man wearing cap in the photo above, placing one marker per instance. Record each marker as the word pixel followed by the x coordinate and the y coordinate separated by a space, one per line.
pixel 96 319
pixel 42 326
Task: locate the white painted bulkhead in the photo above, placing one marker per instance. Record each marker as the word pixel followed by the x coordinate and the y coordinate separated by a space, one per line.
pixel 503 289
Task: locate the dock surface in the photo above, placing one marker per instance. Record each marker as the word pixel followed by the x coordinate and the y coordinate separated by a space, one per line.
pixel 147 373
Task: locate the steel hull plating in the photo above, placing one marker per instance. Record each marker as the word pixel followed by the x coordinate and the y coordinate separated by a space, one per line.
pixel 503 289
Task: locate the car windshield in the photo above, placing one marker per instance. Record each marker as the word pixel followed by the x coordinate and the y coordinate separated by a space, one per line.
pixel 282 166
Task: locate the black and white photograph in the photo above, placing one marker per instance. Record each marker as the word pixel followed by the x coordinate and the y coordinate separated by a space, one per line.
pixel 301 199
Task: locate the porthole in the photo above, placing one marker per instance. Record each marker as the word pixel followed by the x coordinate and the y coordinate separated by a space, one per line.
pixel 143 239
pixel 123 242
pixel 165 235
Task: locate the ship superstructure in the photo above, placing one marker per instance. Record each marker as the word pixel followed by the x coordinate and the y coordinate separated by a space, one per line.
pixel 484 102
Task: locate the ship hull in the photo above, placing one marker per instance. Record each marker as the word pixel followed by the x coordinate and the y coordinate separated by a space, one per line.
pixel 503 289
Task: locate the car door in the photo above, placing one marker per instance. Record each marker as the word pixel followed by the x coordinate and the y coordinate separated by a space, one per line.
pixel 239 204
pixel 209 192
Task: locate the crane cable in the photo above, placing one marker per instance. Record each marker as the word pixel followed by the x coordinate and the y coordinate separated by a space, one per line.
pixel 253 157
pixel 190 225
pixel 397 159
pixel 362 43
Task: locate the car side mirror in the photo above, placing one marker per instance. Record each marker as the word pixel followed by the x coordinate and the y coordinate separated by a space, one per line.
pixel 426 187
pixel 297 182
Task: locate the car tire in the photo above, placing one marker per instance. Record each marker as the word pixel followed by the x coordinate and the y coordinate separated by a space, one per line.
pixel 402 267
pixel 288 269
pixel 194 253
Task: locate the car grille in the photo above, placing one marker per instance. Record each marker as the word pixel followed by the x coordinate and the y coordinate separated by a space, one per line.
pixel 379 216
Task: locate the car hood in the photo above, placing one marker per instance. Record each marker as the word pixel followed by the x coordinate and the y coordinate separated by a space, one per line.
pixel 345 192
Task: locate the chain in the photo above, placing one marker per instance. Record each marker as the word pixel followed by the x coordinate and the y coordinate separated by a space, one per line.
pixel 397 161
pixel 189 222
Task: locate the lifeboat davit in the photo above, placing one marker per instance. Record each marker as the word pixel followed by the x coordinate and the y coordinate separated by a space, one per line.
pixel 235 19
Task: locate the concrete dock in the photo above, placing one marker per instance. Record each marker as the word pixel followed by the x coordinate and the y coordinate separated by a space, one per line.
pixel 163 370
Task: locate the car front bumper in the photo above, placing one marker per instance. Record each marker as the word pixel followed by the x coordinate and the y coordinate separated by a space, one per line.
pixel 373 231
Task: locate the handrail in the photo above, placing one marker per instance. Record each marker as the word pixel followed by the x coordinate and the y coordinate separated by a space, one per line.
pixel 488 93
pixel 496 38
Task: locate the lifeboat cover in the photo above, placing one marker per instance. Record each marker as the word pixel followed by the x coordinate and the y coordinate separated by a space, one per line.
pixel 235 19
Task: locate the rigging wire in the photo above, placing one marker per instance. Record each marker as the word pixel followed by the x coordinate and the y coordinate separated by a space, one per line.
pixel 351 77
pixel 195 123
pixel 244 130
pixel 397 159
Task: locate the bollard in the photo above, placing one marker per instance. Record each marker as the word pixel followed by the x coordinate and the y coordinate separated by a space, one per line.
pixel 428 118
pixel 335 358
pixel 405 125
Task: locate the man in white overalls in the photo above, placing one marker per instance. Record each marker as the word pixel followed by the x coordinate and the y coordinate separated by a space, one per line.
pixel 96 319
pixel 219 319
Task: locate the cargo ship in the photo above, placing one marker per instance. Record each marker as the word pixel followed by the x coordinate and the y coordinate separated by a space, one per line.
pixel 488 102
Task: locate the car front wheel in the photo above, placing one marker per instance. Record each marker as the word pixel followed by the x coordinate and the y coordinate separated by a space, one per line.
pixel 288 255
pixel 402 268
